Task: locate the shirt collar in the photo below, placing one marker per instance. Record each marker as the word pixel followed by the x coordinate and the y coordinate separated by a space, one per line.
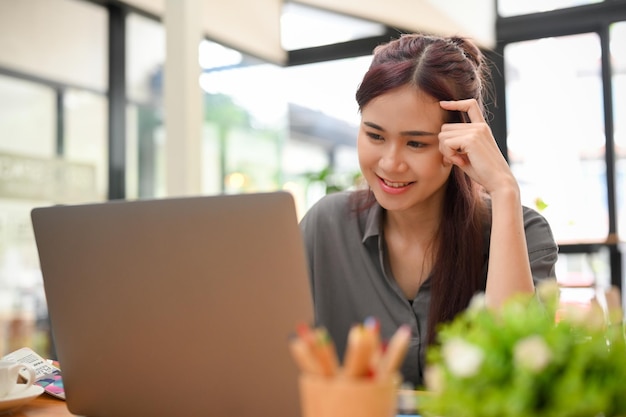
pixel 373 222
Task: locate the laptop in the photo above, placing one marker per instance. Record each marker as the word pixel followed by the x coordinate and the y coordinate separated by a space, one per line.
pixel 176 307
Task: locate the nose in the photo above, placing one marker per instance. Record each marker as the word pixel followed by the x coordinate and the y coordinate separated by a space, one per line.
pixel 392 159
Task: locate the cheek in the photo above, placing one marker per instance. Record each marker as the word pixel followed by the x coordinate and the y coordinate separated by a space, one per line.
pixel 433 166
pixel 444 170
pixel 365 151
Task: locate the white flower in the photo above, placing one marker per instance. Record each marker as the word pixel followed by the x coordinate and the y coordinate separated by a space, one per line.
pixel 433 377
pixel 462 358
pixel 532 353
pixel 589 317
pixel 548 291
pixel 478 302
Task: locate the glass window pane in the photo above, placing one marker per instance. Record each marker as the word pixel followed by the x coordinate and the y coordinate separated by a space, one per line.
pixel 86 145
pixel 145 136
pixel 245 126
pixel 556 132
pixel 331 125
pixel 516 7
pixel 298 130
pixel 27 118
pixel 145 57
pixel 583 276
pixel 27 153
pixel 62 42
pixel 618 60
pixel 584 269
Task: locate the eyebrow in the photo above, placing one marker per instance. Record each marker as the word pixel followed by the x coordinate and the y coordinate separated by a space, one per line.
pixel 405 133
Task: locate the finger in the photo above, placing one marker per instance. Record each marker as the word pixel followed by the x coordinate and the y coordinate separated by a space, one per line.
pixel 451 148
pixel 459 160
pixel 470 106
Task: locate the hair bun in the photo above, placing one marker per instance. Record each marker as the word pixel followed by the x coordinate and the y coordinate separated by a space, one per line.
pixel 469 49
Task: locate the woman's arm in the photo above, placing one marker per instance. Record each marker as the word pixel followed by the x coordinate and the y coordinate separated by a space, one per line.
pixel 509 270
pixel 472 147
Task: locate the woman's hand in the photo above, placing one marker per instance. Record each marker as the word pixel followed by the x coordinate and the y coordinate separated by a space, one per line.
pixel 472 147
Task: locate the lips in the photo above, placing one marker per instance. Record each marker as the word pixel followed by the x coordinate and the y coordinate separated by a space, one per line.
pixel 395 184
pixel 394 187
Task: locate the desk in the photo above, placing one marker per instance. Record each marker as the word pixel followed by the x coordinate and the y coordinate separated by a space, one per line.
pixel 47 406
pixel 43 406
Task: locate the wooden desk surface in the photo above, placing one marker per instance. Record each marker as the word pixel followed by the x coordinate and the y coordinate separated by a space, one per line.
pixel 43 406
pixel 47 406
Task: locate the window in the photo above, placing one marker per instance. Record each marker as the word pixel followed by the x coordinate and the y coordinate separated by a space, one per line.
pixel 85 143
pixel 145 132
pixel 564 89
pixel 618 60
pixel 556 132
pixel 52 141
pixel 27 118
pixel 267 137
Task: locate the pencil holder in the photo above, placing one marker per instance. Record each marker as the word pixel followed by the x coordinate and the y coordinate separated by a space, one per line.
pixel 348 397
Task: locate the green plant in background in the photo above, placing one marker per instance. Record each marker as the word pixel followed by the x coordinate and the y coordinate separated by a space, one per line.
pixel 528 359
pixel 540 204
pixel 221 110
pixel 333 181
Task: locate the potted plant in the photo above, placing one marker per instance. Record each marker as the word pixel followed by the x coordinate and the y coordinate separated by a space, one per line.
pixel 531 358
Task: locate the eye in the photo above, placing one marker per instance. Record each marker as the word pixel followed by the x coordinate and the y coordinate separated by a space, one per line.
pixel 374 136
pixel 415 144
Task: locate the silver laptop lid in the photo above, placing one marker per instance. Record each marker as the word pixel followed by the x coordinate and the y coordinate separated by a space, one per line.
pixel 176 307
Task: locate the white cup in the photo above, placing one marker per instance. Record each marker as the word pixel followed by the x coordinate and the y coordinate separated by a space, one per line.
pixel 9 373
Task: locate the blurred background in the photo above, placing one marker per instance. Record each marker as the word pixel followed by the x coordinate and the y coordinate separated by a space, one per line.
pixel 139 99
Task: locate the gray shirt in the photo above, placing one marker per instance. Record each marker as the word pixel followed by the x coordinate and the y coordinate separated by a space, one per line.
pixel 351 280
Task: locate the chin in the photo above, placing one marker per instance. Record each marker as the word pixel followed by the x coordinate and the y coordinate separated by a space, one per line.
pixel 391 202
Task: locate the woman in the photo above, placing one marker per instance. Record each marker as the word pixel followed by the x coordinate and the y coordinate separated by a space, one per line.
pixel 442 218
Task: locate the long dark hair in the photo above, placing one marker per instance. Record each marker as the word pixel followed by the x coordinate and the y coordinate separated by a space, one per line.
pixel 446 68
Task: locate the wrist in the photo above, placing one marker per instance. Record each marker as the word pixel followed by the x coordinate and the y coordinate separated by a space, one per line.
pixel 507 191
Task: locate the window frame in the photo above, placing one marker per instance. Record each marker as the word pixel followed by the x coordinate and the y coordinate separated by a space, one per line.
pixel 593 18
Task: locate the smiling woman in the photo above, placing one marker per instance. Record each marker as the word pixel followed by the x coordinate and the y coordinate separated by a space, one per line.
pixel 416 245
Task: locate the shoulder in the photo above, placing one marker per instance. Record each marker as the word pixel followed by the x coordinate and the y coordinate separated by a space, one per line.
pixel 333 215
pixel 333 202
pixel 331 206
pixel 542 248
pixel 538 231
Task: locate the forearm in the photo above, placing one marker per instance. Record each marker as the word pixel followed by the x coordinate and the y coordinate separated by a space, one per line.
pixel 509 267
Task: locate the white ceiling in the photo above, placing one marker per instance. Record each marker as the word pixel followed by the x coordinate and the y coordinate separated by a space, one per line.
pixel 254 26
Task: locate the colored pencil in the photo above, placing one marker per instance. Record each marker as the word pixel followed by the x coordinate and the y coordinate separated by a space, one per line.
pixel 394 353
pixel 359 351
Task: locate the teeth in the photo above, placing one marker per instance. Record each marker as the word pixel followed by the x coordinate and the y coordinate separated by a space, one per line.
pixel 396 184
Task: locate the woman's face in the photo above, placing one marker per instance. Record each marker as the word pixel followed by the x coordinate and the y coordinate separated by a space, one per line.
pixel 398 149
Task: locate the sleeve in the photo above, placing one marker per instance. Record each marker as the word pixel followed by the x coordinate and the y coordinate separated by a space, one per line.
pixel 309 228
pixel 322 229
pixel 319 227
pixel 325 221
pixel 542 248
